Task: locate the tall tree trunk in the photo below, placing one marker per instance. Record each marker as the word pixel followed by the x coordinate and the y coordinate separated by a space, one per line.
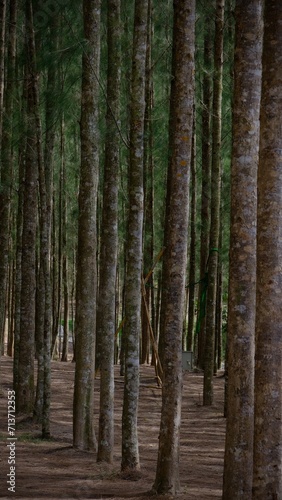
pixel 5 177
pixel 106 313
pixel 57 267
pixel 238 462
pixel 205 192
pixel 132 330
pixel 267 471
pixel 64 248
pixel 218 319
pixel 148 193
pixel 45 163
pixel 192 260
pixel 237 481
pixel 6 136
pixel 11 296
pixel 25 386
pixel 19 229
pixel 83 428
pixel 176 236
pixel 215 206
pixel 51 114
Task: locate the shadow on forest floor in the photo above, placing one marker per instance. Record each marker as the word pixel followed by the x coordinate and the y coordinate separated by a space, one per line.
pixel 54 470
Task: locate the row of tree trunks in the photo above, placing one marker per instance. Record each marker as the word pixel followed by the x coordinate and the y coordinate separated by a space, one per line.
pixel 253 454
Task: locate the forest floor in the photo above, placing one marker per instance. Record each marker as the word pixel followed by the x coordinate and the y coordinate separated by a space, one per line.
pixel 54 470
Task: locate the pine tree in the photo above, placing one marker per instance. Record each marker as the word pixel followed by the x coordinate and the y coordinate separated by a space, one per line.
pixel 212 267
pixel 176 238
pixel 242 268
pixel 130 451
pixel 5 179
pixel 25 381
pixel 83 428
pixel 106 312
pixel 267 476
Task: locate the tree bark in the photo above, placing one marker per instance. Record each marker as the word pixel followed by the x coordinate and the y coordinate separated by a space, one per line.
pixel 132 330
pixel 83 428
pixel 65 283
pixel 192 258
pixel 267 471
pixel 25 385
pixel 7 174
pixel 19 229
pixel 215 206
pixel 237 481
pixel 148 193
pixel 5 179
pixel 176 233
pixel 44 301
pixel 106 313
pixel 205 191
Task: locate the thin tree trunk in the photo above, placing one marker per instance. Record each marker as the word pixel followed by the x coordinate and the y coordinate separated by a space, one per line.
pixel 148 192
pixel 267 469
pixel 86 282
pixel 132 330
pixel 73 304
pixel 57 269
pixel 64 249
pixel 215 206
pixel 44 356
pixel 192 260
pixel 5 175
pixel 11 303
pixel 176 237
pixel 51 127
pixel 205 192
pixel 25 386
pixel 19 230
pixel 218 322
pixel 6 135
pixel 106 313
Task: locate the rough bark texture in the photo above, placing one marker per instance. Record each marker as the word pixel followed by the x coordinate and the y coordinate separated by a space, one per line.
pixel 205 192
pixel 148 195
pixel 215 206
pixel 65 346
pixel 19 226
pixel 242 268
pixel 130 452
pixel 7 160
pixel 175 256
pixel 25 385
pixel 192 258
pixel 44 301
pixel 106 314
pixel 83 429
pixel 267 472
pixel 5 180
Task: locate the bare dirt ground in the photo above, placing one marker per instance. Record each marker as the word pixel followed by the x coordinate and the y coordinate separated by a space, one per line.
pixel 54 470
